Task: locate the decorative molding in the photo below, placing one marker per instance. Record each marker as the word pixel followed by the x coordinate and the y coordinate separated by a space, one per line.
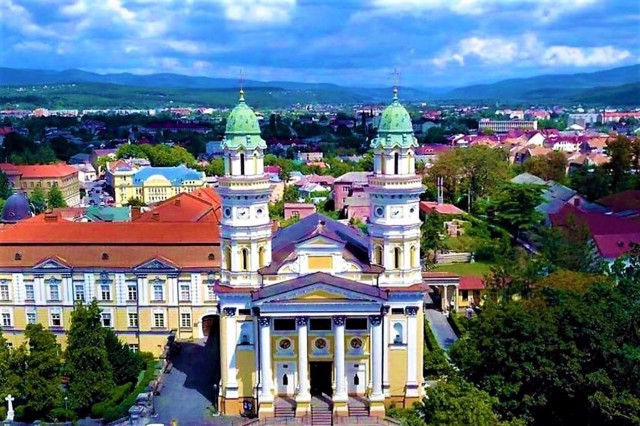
pixel 339 320
pixel 376 320
pixel 229 312
pixel 411 311
pixel 302 321
pixel 264 321
pixel 53 281
pixel 385 310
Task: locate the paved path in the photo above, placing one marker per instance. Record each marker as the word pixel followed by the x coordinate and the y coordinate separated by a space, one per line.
pixel 441 328
pixel 187 391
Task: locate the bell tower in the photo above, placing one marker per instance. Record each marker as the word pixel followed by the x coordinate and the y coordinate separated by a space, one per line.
pixel 245 226
pixel 394 190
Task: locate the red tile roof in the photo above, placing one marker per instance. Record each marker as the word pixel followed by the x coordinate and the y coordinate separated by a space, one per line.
pixel 444 208
pixel 202 205
pixel 471 283
pixel 621 201
pixel 36 171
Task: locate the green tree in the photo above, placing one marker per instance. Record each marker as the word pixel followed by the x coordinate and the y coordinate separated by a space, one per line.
pixel 135 202
pixel 291 194
pixel 5 186
pixel 513 207
pixel 552 166
pixel 215 167
pixel 619 165
pixel 593 182
pixel 125 364
pixel 55 198
pixel 87 362
pixel 431 239
pixel 456 402
pixel 38 200
pixel 42 379
pixel 4 365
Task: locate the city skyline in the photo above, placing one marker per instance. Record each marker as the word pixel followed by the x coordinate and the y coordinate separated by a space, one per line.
pixel 431 42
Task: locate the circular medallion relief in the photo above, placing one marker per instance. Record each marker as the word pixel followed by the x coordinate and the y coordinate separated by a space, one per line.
pixel 320 343
pixel 285 344
pixel 356 343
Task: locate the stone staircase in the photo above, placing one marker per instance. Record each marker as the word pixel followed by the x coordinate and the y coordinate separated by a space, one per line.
pixel 321 411
pixel 358 407
pixel 284 408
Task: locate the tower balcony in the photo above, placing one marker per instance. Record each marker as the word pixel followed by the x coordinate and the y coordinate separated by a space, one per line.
pixel 395 182
pixel 243 183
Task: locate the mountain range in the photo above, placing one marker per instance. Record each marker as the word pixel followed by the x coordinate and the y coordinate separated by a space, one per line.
pixel 618 86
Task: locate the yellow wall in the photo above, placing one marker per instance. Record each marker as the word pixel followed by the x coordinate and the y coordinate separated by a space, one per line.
pixel 320 263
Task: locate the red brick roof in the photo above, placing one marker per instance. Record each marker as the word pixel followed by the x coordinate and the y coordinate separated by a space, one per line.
pixel 625 200
pixel 36 171
pixel 444 208
pixel 202 205
pixel 471 283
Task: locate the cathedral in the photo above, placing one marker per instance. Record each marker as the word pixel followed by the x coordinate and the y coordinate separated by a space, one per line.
pixel 320 309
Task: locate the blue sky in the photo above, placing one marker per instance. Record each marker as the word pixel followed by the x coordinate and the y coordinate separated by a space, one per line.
pixel 348 42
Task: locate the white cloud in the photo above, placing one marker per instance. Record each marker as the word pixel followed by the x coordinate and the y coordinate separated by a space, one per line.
pixel 526 50
pixel 32 46
pixel 258 11
pixel 543 9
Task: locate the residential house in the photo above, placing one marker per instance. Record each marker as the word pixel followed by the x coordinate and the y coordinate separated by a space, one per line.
pixel 351 184
pixel 299 210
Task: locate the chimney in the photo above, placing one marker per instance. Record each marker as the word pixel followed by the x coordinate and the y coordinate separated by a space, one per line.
pixel 155 216
pixel 50 217
pixel 577 201
pixel 177 202
pixel 135 213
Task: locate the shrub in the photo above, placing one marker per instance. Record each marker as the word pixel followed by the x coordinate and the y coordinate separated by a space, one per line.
pixel 456 324
pixel 117 395
pixel 430 339
pixel 436 364
pixel 122 409
pixel 3 412
pixel 60 414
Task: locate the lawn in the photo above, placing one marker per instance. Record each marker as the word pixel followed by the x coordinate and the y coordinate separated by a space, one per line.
pixel 477 268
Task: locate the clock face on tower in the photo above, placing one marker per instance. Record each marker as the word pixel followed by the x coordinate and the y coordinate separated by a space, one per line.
pixel 242 213
pixel 396 212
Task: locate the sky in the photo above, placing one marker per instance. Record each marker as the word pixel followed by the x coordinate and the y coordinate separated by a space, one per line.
pixel 346 42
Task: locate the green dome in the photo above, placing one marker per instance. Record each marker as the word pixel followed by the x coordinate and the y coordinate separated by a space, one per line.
pixel 242 128
pixel 395 129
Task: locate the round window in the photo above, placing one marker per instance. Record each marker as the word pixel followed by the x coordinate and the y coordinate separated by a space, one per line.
pixel 321 343
pixel 379 211
pixel 227 212
pixel 285 344
pixel 356 343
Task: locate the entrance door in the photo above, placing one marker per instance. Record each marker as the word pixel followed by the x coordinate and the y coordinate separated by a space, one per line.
pixel 210 324
pixel 321 378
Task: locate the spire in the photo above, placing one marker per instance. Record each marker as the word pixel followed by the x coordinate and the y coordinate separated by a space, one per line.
pixel 240 81
pixel 396 77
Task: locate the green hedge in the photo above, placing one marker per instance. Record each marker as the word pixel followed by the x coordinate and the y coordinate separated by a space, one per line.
pixel 62 415
pixel 429 338
pixel 117 395
pixel 122 409
pixel 456 324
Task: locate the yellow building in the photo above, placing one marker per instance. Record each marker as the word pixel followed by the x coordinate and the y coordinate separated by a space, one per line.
pixel 46 176
pixel 150 185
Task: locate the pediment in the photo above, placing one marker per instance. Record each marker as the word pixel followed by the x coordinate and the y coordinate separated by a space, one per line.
pixel 321 294
pixel 157 263
pixel 319 242
pixel 54 262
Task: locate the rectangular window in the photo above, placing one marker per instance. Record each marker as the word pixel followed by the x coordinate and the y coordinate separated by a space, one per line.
pixel 133 319
pixel 185 293
pixel 31 317
pixel 6 319
pixel 29 293
pixel 185 320
pixel 54 292
pixel 158 320
pixel 4 291
pixel 56 319
pixel 356 324
pixel 79 292
pixel 106 319
pixel 397 311
pixel 465 294
pixel 158 292
pixel 244 311
pixel 105 291
pixel 211 292
pixel 132 292
pixel 320 324
pixel 284 324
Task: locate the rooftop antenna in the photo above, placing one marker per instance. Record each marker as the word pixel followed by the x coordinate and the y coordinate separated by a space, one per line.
pixel 241 82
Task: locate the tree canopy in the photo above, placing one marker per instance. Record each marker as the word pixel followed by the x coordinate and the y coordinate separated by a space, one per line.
pixel 55 198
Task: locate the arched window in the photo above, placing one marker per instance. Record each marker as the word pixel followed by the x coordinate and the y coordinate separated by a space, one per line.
pixel 412 256
pixel 398 334
pixel 227 258
pixel 356 380
pixel 285 380
pixel 255 163
pixel 411 163
pixel 397 258
pixel 261 256
pixel 377 255
pixel 242 164
pixel 229 170
pixel 245 259
pixel 383 163
pixel 396 163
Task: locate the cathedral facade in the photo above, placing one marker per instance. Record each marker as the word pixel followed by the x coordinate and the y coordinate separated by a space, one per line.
pixel 320 309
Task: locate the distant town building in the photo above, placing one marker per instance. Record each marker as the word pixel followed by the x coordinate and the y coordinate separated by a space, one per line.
pixel 307 157
pixel 28 177
pixel 503 126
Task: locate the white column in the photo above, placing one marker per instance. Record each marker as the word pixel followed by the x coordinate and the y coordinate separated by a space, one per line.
pixel 385 351
pixel 341 380
pixel 412 350
pixel 303 379
pixel 265 359
pixel 231 387
pixel 376 350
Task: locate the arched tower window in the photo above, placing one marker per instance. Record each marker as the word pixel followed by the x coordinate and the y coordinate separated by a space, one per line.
pixel 383 163
pixel 242 164
pixel 411 163
pixel 255 163
pixel 229 169
pixel 397 258
pixel 245 259
pixel 413 257
pixel 227 258
pixel 398 334
pixel 396 163
pixel 377 255
pixel 262 256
